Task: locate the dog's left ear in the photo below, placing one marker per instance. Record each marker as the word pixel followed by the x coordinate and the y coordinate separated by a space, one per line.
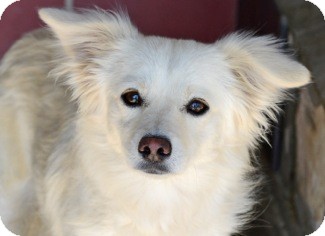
pixel 261 60
pixel 88 33
pixel 262 73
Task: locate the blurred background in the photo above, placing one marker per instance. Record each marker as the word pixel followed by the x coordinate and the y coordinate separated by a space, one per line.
pixel 293 196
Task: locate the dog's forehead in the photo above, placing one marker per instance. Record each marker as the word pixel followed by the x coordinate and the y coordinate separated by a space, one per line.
pixel 162 67
pixel 157 59
pixel 173 53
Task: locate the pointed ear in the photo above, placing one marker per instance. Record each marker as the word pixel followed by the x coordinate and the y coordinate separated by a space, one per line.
pixel 89 33
pixel 262 74
pixel 261 60
pixel 83 38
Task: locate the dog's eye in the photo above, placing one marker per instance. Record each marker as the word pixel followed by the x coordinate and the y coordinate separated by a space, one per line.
pixel 132 98
pixel 197 107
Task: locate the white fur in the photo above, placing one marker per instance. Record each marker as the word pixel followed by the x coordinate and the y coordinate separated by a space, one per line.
pixel 68 144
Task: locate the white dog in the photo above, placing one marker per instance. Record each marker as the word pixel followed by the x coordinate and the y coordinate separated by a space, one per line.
pixel 105 131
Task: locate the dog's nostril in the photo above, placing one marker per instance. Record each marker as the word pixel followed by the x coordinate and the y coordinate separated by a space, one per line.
pixel 161 152
pixel 146 151
pixel 154 148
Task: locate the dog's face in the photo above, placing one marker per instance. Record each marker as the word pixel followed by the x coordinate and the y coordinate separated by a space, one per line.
pixel 169 103
pixel 162 103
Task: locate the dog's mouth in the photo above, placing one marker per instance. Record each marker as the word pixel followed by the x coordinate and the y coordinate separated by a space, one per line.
pixel 153 168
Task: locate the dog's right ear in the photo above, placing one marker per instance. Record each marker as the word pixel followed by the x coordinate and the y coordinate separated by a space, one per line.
pixel 88 33
pixel 85 37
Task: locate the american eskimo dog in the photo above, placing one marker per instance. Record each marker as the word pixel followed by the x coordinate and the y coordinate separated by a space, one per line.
pixel 105 131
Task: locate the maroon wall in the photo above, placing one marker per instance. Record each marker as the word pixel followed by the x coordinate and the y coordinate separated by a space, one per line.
pixel 204 20
pixel 21 17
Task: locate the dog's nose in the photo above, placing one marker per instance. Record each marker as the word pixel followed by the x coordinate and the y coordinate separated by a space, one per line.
pixel 155 148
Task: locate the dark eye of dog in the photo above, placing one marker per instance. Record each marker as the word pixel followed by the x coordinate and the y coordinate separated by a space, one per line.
pixel 197 107
pixel 132 98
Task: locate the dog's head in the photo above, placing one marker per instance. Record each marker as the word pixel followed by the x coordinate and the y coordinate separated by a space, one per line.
pixel 166 103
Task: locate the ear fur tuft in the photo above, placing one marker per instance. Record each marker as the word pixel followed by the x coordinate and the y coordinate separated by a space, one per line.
pixel 88 32
pixel 264 57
